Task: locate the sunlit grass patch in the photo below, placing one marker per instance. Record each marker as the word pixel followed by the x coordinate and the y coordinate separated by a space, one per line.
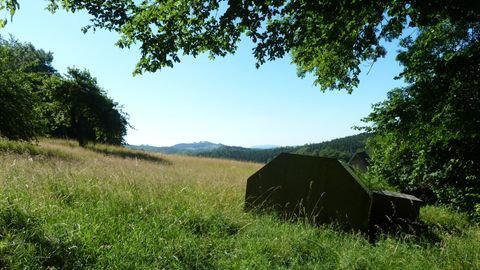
pixel 20 147
pixel 104 211
pixel 123 152
pixel 444 219
pixel 30 149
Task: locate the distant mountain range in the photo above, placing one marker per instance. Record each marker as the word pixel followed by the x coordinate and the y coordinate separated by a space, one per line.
pixel 342 149
pixel 181 148
pixel 265 146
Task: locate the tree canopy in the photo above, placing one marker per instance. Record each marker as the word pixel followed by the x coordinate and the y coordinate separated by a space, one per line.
pixel 90 114
pixel 37 101
pixel 23 71
pixel 328 39
pixel 428 133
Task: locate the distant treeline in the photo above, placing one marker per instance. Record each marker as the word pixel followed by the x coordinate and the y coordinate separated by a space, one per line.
pixel 342 149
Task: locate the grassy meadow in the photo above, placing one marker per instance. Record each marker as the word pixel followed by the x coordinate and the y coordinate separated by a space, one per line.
pixel 102 207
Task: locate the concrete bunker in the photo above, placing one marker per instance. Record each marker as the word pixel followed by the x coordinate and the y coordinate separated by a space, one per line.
pixel 325 190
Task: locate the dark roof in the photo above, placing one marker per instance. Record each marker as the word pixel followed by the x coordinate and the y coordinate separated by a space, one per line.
pixel 398 195
pixel 324 189
pixel 360 155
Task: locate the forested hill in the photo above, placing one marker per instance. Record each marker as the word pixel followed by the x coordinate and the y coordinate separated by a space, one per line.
pixel 342 149
pixel 245 154
pixel 182 148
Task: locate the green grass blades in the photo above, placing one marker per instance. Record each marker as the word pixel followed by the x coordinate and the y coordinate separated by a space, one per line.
pixel 106 207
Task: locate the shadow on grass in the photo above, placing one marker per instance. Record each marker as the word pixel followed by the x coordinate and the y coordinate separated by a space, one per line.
pixel 212 225
pixel 434 223
pixel 125 153
pixel 416 232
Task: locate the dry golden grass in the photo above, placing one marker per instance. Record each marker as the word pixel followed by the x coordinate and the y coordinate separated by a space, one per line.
pixel 93 208
pixel 110 174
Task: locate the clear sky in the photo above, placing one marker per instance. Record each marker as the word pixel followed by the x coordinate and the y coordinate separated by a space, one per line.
pixel 226 100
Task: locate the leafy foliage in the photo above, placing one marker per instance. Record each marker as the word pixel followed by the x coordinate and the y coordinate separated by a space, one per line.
pixel 427 134
pixel 328 39
pixel 89 114
pixel 37 101
pixel 341 149
pixel 23 70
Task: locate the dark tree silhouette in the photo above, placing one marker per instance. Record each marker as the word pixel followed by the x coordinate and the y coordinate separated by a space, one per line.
pixel 91 116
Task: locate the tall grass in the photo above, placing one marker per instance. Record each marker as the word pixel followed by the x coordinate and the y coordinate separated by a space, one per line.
pixel 30 149
pixel 102 210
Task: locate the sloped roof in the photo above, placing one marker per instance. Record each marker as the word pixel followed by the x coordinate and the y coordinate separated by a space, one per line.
pixel 324 189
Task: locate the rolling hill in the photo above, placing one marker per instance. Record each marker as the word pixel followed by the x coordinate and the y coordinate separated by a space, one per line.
pixel 342 149
pixel 181 148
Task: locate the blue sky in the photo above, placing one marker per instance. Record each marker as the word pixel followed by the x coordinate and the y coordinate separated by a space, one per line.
pixel 226 100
